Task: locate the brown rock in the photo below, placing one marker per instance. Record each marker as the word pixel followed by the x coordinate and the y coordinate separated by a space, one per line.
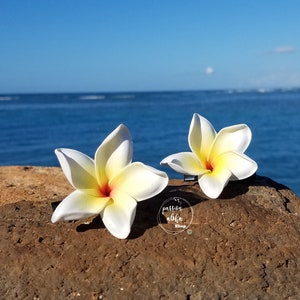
pixel 245 245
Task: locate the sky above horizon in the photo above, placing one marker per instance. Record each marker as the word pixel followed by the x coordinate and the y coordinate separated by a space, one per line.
pixel 84 46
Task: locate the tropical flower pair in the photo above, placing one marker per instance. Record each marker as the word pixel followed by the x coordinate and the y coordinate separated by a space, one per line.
pixel 111 184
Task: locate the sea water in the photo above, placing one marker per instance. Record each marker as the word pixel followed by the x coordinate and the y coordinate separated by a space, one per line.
pixel 33 125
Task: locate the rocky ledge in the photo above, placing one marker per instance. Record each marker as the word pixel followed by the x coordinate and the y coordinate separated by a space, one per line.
pixel 245 245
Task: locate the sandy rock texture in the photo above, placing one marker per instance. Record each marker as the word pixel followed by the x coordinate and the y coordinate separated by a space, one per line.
pixel 245 245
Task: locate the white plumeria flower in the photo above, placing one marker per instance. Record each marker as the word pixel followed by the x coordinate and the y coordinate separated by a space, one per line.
pixel 109 185
pixel 216 158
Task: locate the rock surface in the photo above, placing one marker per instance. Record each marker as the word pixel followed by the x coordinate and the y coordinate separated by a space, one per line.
pixel 245 245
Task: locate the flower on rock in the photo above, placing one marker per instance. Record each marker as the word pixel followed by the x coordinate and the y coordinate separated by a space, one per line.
pixel 109 185
pixel 216 158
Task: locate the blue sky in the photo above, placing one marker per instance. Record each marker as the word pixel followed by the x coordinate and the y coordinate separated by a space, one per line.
pixel 86 45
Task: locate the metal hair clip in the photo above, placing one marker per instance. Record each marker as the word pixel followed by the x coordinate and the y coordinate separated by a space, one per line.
pixel 190 178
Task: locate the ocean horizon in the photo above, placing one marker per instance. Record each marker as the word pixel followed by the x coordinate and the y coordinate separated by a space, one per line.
pixel 33 125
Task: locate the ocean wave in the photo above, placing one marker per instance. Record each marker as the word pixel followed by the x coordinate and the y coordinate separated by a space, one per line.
pixel 124 96
pixel 92 97
pixel 7 98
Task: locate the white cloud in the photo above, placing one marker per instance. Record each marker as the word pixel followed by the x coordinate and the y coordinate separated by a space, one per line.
pixel 284 49
pixel 209 70
pixel 280 50
pixel 279 79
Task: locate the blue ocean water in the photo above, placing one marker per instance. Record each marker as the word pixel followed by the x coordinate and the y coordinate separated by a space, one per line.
pixel 33 125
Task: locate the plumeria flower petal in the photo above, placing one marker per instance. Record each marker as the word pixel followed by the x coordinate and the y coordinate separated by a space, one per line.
pixel 233 138
pixel 118 215
pixel 109 185
pixel 135 179
pixel 78 205
pixel 212 184
pixel 240 165
pixel 79 170
pixel 216 158
pixel 201 136
pixel 185 163
pixel 113 154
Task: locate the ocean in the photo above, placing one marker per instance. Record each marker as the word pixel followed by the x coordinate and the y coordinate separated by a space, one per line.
pixel 33 125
